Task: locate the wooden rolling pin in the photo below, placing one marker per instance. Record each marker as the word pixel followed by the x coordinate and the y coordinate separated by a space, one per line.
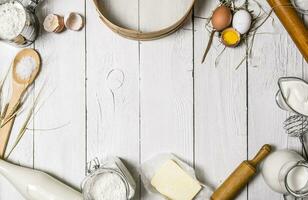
pixel 292 23
pixel 240 177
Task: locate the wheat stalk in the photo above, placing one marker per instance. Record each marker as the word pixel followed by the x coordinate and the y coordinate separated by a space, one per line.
pixel 24 127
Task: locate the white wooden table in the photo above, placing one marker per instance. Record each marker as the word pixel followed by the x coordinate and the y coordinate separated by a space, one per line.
pixel 113 96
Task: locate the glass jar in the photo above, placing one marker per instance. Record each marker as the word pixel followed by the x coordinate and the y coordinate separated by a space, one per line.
pixel 30 28
pixel 296 179
pixel 113 166
pixel 286 172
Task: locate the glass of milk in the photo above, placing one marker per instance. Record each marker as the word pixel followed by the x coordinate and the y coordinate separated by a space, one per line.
pixel 296 179
pixel 286 172
pixel 19 25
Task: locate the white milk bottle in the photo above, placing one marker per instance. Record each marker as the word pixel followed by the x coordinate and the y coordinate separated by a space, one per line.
pixel 37 185
pixel 286 172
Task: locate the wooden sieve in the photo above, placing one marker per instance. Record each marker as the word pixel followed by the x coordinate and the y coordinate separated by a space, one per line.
pixel 142 35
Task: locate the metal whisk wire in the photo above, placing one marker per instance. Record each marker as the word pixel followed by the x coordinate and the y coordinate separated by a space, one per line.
pixel 297 126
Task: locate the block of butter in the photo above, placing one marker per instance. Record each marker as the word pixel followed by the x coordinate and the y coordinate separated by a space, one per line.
pixel 173 182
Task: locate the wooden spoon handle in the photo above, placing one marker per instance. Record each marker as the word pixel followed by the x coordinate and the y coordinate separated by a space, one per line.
pixel 7 123
pixel 5 133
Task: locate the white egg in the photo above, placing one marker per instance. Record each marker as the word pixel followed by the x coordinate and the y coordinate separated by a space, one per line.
pixel 242 21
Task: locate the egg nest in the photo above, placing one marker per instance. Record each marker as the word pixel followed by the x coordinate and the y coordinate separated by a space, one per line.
pixel 247 24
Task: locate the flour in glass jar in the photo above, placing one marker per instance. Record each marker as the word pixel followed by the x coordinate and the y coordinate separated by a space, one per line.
pixel 12 19
pixel 108 186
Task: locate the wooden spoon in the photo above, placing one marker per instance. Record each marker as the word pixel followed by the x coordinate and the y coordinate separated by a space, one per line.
pixel 20 86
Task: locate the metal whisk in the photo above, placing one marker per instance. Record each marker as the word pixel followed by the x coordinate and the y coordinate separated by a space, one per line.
pixel 297 126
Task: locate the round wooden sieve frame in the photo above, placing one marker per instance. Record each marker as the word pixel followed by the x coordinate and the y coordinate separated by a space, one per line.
pixel 139 35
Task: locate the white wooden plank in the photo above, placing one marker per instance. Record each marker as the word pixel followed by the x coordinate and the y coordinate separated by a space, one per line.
pixel 274 55
pixel 61 151
pixel 23 153
pixel 113 90
pixel 220 104
pixel 166 91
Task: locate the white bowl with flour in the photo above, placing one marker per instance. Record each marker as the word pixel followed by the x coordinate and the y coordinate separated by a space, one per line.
pixel 293 95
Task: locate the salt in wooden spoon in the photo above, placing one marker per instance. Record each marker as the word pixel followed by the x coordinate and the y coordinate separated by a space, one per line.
pixel 19 86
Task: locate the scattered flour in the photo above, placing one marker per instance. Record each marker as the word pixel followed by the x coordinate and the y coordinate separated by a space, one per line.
pixel 12 20
pixel 25 67
pixel 108 186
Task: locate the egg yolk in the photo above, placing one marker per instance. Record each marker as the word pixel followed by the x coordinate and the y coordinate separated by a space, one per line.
pixel 230 37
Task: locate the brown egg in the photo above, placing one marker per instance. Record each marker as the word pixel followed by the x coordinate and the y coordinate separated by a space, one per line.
pixel 221 18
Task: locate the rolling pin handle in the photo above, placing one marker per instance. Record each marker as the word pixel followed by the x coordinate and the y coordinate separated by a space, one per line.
pixel 264 151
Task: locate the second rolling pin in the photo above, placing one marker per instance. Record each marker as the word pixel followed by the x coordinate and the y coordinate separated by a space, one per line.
pixel 240 177
pixel 292 23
